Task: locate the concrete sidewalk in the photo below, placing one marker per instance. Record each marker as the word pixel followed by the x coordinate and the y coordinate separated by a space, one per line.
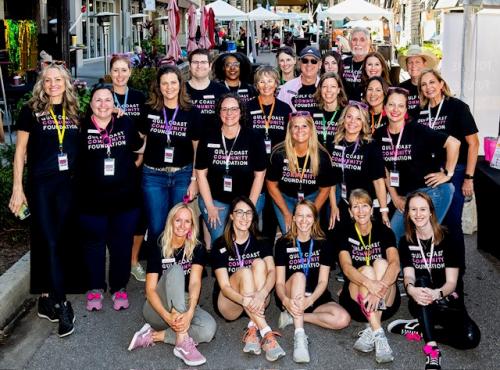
pixel 101 338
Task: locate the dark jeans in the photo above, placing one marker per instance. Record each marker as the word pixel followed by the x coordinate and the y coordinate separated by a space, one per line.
pixel 456 328
pixel 116 231
pixel 50 200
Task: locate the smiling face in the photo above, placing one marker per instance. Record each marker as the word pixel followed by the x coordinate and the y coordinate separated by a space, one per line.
pixel 170 86
pixel 396 108
pixel 301 130
pixel 361 212
pixel 266 85
pixel 330 64
pixel 430 86
pixel 415 65
pixel 419 212
pixel 54 84
pixel 102 104
pixel 182 223
pixel 330 90
pixel 360 44
pixel 304 219
pixel 120 73
pixel 230 112
pixel 373 67
pixel 232 69
pixel 307 67
pixel 353 122
pixel 242 216
pixel 199 67
pixel 286 63
pixel 374 94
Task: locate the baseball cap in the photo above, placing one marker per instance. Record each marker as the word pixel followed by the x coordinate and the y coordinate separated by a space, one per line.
pixel 309 50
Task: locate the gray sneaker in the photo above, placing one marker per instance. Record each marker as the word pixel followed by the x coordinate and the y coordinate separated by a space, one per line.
pixel 383 352
pixel 300 348
pixel 366 341
pixel 251 340
pixel 138 272
pixel 271 346
pixel 285 319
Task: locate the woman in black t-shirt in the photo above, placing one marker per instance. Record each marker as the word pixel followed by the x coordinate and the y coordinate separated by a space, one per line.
pixel 230 162
pixel 431 278
pixel 235 72
pixel 107 168
pixel 173 285
pixel 370 262
pixel 244 269
pixel 375 91
pixel 303 260
pixel 47 136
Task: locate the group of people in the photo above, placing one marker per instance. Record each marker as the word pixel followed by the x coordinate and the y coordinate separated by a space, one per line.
pixel 348 168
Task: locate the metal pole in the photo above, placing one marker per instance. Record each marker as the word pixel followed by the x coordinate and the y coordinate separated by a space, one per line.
pixel 105 29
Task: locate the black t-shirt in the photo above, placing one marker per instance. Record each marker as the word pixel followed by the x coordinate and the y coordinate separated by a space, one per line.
pixel 99 193
pixel 363 163
pixel 415 154
pixel 326 126
pixel 413 98
pixel 445 255
pixel 245 91
pixel 185 129
pixel 377 121
pixel 248 155
pixel 286 253
pixel 249 251
pixel 205 100
pixel 455 119
pixel 278 124
pixel 43 142
pixel 157 264
pixel 304 99
pixel 352 79
pixel 290 183
pixel 135 104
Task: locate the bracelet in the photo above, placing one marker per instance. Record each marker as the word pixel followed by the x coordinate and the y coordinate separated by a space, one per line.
pixel 384 209
pixel 406 287
pixel 193 178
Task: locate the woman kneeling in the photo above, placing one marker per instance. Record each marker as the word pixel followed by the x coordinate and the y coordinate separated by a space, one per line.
pixel 303 260
pixel 370 262
pixel 244 269
pixel 173 284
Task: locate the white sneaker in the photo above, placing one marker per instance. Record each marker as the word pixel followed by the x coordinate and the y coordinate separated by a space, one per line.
pixel 285 319
pixel 383 352
pixel 300 348
pixel 366 341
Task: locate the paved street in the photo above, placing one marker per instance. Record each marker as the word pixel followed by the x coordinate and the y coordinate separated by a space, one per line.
pixel 101 338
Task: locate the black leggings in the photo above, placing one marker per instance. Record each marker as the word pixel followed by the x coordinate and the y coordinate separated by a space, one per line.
pixel 456 327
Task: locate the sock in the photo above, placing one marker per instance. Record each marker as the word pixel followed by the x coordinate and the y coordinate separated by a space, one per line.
pixel 299 330
pixel 250 324
pixel 264 331
pixel 379 331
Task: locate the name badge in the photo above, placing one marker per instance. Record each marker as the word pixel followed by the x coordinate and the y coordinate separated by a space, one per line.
pixel 168 260
pixel 208 96
pixel 394 178
pixel 292 250
pixel 228 183
pixel 339 147
pixel 424 112
pixel 169 155
pixel 300 195
pixel 92 131
pixel 222 250
pixel 255 112
pixel 353 241
pixel 109 166
pixel 414 248
pixel 344 190
pixel 213 145
pixel 386 140
pixel 62 161
pixel 268 146
pixel 242 91
pixel 318 115
pixel 152 116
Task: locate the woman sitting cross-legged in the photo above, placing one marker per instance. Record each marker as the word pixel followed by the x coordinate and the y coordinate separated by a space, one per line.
pixel 244 269
pixel 303 260
pixel 173 284
pixel 370 262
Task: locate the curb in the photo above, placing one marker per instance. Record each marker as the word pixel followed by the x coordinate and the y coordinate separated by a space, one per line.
pixel 14 288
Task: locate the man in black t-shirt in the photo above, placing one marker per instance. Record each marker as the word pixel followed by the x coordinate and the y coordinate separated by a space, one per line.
pixel 360 43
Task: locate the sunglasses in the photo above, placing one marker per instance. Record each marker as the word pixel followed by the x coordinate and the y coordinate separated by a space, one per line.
pixel 104 136
pixel 358 104
pixel 299 113
pixel 55 63
pixel 307 61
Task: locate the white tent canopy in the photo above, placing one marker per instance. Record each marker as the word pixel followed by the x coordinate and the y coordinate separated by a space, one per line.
pixel 355 9
pixel 225 12
pixel 262 14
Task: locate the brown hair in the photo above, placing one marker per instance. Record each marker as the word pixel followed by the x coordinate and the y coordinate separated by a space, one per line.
pixel 410 229
pixel 316 231
pixel 229 234
pixel 155 100
pixel 341 97
pixel 123 57
pixel 383 63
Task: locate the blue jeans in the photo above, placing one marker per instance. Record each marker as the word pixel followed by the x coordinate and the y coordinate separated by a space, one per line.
pixel 290 203
pixel 162 191
pixel 441 197
pixel 218 230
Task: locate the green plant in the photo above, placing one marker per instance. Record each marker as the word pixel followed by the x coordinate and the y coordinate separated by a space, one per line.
pixel 7 219
pixel 142 78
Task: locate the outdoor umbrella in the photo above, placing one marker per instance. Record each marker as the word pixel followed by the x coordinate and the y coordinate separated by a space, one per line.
pixel 191 44
pixel 211 27
pixel 204 40
pixel 174 22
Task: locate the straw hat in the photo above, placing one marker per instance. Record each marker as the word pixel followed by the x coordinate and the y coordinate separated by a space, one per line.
pixel 417 51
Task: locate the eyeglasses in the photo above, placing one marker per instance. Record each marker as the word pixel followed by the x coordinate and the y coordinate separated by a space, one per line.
pixel 241 213
pixel 199 62
pixel 307 61
pixel 104 136
pixel 358 104
pixel 228 110
pixel 233 64
pixel 299 113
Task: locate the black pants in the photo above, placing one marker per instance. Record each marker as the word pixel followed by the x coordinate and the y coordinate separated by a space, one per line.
pixel 456 328
pixel 50 199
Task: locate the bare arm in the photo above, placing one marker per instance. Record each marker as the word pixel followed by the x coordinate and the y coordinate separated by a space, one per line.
pixel 452 147
pixel 18 198
pixel 275 193
pixel 257 184
pixel 321 198
pixel 192 190
pixel 468 185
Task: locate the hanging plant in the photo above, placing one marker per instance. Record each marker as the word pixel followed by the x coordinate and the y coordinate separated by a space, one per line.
pixel 12 44
pixel 21 44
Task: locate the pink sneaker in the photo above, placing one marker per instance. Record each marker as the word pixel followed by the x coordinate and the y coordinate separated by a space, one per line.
pixel 142 338
pixel 188 353
pixel 120 300
pixel 94 300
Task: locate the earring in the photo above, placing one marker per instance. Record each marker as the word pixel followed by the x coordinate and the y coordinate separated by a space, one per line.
pixel 406 116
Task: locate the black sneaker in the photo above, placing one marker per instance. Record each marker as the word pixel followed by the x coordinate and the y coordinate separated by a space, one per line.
pixel 409 328
pixel 47 310
pixel 340 277
pixel 66 319
pixel 433 361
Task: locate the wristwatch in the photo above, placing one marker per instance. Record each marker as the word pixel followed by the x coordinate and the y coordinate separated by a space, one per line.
pixel 468 177
pixel 448 173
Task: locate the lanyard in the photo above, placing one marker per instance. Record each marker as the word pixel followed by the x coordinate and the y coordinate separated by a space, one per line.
pixel 169 123
pixel 343 155
pixel 241 261
pixel 227 155
pixel 123 106
pixel 375 126
pixel 304 167
pixel 431 122
pixel 60 133
pixel 267 121
pixel 428 262
pixel 366 247
pixel 397 144
pixel 327 124
pixel 301 256
pixel 229 87
pixel 105 138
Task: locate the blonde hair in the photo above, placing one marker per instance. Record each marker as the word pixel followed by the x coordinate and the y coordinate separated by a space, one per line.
pixel 366 131
pixel 264 71
pixel 445 90
pixel 316 231
pixel 40 101
pixel 191 241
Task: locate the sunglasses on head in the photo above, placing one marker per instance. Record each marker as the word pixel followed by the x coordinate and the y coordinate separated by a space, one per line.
pixel 299 113
pixel 307 61
pixel 358 104
pixel 398 90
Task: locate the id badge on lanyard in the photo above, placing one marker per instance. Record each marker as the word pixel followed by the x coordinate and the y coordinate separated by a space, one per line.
pixel 169 155
pixel 228 183
pixel 394 178
pixel 300 196
pixel 344 190
pixel 109 166
pixel 62 161
pixel 267 142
